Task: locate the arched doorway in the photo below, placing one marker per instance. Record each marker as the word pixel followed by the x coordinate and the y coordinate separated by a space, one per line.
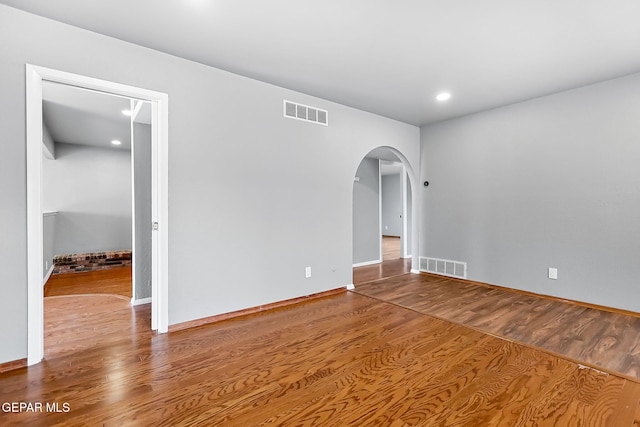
pixel 384 228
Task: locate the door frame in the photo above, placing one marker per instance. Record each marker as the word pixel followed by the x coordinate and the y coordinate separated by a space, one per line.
pixel 159 169
pixel 404 210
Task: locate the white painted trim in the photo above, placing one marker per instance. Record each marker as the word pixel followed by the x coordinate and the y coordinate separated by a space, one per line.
pixel 135 109
pixel 404 247
pixel 141 301
pixel 414 271
pixel 159 101
pixel 350 287
pixel 362 264
pixel 380 255
pixel 407 257
pixel 49 273
pixel 47 153
pixel 35 291
pixel 160 210
pixel 134 249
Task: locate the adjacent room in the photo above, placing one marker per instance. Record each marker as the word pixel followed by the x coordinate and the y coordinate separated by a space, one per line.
pixel 339 213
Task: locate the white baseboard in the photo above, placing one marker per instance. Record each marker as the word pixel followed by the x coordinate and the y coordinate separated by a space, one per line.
pixel 350 287
pixel 362 264
pixel 407 257
pixel 414 271
pixel 46 276
pixel 140 301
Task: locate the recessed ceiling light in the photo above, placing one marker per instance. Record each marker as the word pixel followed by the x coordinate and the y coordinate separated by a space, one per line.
pixel 116 142
pixel 126 112
pixel 443 96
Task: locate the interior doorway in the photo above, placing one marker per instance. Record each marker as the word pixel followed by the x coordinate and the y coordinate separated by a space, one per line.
pixel 35 76
pixel 92 180
pixel 383 229
pixel 393 211
pixel 96 197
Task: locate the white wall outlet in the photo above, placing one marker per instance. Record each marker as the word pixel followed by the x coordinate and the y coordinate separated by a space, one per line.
pixel 386 227
pixel 553 273
pixel 307 272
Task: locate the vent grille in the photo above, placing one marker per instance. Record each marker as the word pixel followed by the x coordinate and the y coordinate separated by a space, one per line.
pixel 444 267
pixel 306 113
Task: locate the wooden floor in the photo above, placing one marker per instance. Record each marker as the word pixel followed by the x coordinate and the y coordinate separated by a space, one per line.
pixel 89 309
pixel 349 359
pixel 114 281
pixel 382 270
pixel 390 248
pixel 392 265
pixel 606 340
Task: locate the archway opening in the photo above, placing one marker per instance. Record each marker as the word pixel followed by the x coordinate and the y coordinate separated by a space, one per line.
pixel 383 216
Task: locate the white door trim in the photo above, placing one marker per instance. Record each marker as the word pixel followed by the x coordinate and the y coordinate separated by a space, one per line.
pixel 380 254
pixel 404 247
pixel 159 101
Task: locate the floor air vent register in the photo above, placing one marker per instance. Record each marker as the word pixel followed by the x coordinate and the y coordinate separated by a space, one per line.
pixel 444 267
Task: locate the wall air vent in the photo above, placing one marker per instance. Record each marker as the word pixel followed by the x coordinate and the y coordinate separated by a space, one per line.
pixel 293 110
pixel 444 267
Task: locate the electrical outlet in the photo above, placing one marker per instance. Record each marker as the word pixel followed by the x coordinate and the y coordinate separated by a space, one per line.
pixel 307 272
pixel 553 273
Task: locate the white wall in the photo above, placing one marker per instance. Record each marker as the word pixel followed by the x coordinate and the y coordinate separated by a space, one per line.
pixel 49 147
pixel 552 182
pixel 90 188
pixel 254 198
pixel 391 205
pixel 366 213
pixel 49 222
pixel 142 190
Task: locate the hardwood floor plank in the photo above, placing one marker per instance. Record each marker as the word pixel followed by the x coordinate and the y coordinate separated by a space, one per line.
pixel 115 281
pixel 344 360
pixel 570 400
pixel 390 248
pixel 605 340
pixel 383 270
pixel 615 403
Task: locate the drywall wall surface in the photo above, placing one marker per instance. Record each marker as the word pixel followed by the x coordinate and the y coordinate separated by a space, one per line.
pixel 90 188
pixel 49 149
pixel 366 213
pixel 552 182
pixel 49 222
pixel 391 205
pixel 142 197
pixel 254 197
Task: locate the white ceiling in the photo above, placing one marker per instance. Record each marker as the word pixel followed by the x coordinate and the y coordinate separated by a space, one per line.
pixel 390 169
pixel 390 58
pixel 79 116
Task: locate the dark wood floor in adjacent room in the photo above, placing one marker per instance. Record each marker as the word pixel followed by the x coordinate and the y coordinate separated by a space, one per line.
pixel 350 359
pixel 603 339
